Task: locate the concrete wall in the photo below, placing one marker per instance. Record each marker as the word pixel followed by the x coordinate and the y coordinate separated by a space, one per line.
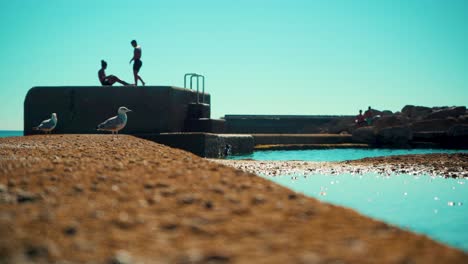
pixel 287 124
pixel 278 139
pixel 204 144
pixel 80 109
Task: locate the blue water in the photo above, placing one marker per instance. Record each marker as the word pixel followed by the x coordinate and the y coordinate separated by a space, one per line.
pixel 335 154
pixel 433 206
pixel 10 133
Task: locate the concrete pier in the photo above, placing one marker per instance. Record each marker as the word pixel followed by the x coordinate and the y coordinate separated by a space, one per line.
pixel 156 109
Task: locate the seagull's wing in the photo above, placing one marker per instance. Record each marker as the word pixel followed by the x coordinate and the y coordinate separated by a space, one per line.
pixel 109 124
pixel 46 124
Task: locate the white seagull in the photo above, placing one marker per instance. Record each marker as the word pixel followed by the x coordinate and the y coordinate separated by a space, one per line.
pixel 48 125
pixel 116 123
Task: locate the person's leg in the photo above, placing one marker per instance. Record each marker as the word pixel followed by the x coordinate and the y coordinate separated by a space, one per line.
pixel 139 78
pixel 135 76
pixel 111 79
pixel 114 79
pixel 136 68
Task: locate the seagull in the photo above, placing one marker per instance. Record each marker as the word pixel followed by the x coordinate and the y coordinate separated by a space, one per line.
pixel 47 125
pixel 116 123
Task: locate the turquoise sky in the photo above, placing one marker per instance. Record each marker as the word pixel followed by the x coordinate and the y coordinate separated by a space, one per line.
pixel 259 56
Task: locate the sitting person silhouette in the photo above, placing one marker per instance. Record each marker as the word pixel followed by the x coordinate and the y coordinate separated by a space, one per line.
pixel 108 80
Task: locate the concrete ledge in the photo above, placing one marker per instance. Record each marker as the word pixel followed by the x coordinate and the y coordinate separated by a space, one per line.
pixel 198 110
pixel 285 139
pixel 204 144
pixel 288 124
pixel 310 146
pixel 80 109
pixel 205 125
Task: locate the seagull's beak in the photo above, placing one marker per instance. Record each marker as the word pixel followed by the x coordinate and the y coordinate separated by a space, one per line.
pixel 128 110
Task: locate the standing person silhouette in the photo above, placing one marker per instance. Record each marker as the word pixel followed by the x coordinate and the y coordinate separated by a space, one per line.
pixel 136 62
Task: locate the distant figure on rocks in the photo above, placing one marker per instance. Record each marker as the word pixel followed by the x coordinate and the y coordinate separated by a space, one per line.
pixel 116 123
pixel 368 116
pixel 360 119
pixel 136 62
pixel 108 80
pixel 47 125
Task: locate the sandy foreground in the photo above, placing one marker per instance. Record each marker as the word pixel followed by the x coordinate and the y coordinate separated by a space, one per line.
pixel 99 199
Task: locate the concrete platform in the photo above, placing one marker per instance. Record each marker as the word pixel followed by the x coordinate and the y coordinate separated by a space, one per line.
pixel 287 139
pixel 156 109
pixel 207 125
pixel 204 144
pixel 311 146
pixel 288 124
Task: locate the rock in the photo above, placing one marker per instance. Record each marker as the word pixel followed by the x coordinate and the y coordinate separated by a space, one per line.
pixel 364 135
pixel 463 119
pixel 187 199
pixel 398 136
pixel 376 112
pixel 35 252
pixel 387 113
pixel 78 188
pixel 23 197
pixel 121 257
pixel 416 112
pixel 433 125
pixel 258 199
pixel 3 188
pixel 216 257
pixel 455 111
pixel 208 205
pixel 458 131
pixel 391 121
pixel 71 229
pixel 6 198
pixel 345 124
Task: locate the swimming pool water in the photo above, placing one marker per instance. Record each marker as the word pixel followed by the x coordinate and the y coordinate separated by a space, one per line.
pixel 335 154
pixel 428 205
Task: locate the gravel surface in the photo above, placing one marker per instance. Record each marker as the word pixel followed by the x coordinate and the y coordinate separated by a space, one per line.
pixel 445 165
pixel 105 199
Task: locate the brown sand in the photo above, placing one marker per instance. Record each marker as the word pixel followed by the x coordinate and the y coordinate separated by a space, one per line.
pixel 89 198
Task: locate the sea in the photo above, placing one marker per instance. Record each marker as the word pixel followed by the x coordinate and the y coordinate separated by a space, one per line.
pixel 11 133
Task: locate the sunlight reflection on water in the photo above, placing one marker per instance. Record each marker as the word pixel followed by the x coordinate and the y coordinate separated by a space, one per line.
pixel 430 205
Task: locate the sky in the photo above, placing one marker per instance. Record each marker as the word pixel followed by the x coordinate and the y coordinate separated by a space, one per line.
pixel 259 56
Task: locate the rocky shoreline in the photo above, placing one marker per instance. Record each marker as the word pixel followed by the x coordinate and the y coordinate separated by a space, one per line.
pixel 105 199
pixel 444 165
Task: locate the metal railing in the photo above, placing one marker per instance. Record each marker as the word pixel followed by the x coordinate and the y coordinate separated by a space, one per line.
pixel 198 76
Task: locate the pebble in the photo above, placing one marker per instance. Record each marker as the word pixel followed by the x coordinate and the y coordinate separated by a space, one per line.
pixel 217 189
pixel 208 205
pixel 3 188
pixel 169 226
pixel 188 199
pixel 70 230
pixel 258 199
pixel 35 252
pixel 216 257
pixel 23 197
pixel 78 188
pixel 121 257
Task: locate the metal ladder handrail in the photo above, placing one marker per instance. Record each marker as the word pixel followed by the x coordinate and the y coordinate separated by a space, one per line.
pixel 198 76
pixel 185 78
